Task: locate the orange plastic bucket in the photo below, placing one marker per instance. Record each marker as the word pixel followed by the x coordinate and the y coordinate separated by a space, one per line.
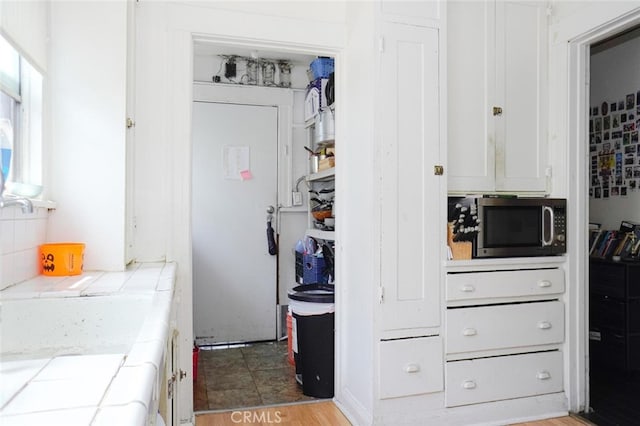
pixel 60 259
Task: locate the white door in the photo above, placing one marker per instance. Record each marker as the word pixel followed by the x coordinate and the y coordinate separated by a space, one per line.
pixel 234 181
pixel 411 146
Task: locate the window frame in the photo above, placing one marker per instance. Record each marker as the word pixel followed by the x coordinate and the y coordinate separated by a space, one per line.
pixel 26 164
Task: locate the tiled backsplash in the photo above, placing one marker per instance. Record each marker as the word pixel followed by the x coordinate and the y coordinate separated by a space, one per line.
pixel 20 235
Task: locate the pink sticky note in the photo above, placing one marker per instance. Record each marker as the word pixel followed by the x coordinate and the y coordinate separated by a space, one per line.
pixel 246 174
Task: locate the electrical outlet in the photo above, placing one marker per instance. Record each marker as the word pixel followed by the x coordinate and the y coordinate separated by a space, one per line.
pixel 297 198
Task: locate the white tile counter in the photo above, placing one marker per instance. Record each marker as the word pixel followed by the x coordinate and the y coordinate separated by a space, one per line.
pixel 85 350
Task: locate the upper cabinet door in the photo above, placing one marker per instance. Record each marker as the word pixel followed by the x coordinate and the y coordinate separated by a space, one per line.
pixel 521 82
pixel 497 59
pixel 423 13
pixel 471 89
pixel 411 193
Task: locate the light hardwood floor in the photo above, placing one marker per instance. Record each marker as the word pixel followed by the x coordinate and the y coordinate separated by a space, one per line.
pixel 307 414
pixel 321 414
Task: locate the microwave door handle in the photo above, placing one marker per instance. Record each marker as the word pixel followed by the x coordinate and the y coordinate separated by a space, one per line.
pixel 546 243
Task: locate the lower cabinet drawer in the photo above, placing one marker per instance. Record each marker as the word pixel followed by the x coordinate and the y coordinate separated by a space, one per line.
pixel 505 377
pixel 410 366
pixel 500 284
pixel 504 326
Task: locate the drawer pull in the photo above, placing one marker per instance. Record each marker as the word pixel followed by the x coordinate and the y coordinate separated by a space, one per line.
pixel 411 368
pixel 544 284
pixel 544 325
pixel 469 332
pixel 543 375
pixel 467 289
pixel 469 384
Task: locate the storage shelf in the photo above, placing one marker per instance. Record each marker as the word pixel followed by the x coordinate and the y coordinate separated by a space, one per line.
pixel 325 174
pixel 320 234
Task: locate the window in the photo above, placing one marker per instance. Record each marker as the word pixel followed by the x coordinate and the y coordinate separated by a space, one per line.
pixel 20 121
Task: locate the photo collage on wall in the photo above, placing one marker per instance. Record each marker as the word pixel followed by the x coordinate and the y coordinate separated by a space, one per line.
pixel 614 148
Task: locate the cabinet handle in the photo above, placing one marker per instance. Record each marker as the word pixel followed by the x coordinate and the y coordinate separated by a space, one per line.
pixel 469 332
pixel 468 384
pixel 467 289
pixel 544 284
pixel 543 375
pixel 497 111
pixel 411 368
pixel 544 325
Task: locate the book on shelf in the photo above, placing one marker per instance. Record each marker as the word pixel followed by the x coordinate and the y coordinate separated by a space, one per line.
pixel 631 249
pixel 595 237
pixel 629 226
pixel 605 244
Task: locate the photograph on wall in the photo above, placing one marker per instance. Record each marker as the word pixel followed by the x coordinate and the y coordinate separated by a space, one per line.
pixel 631 101
pixel 614 147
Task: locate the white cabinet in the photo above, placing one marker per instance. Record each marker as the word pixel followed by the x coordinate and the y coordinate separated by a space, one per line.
pixel 486 328
pixel 503 320
pixel 410 367
pixel 396 101
pixel 503 377
pixel 504 285
pixel 497 78
pixel 411 193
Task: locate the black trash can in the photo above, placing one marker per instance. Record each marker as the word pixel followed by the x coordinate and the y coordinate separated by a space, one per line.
pixel 313 310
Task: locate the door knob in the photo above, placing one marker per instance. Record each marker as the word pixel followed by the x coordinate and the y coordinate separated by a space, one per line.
pixel 271 210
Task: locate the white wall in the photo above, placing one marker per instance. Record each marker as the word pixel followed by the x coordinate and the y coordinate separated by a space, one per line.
pixel 87 77
pixel 358 257
pixel 615 73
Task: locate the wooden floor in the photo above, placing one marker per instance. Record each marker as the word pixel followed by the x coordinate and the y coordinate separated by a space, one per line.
pixel 320 414
pixel 304 414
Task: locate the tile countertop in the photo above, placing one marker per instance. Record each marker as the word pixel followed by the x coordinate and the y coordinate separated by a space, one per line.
pixel 87 349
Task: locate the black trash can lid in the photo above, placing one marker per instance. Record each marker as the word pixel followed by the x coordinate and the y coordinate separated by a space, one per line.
pixel 316 293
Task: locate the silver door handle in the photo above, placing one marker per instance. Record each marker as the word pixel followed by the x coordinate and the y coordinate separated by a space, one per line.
pixel 546 243
pixel 271 210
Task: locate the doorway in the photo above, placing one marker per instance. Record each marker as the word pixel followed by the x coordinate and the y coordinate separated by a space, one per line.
pixel 237 372
pixel 614 320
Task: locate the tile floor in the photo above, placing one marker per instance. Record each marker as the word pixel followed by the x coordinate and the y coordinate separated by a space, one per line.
pixel 249 376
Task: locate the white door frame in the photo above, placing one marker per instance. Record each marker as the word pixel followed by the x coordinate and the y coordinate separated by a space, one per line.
pixel 180 98
pixel 578 81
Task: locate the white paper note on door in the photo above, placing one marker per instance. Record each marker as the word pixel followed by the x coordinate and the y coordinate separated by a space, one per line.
pixel 235 160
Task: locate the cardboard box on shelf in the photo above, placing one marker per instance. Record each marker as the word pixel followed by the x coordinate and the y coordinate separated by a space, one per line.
pixel 326 163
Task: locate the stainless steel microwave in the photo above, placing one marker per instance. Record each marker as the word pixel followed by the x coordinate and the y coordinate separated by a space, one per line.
pixel 510 227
